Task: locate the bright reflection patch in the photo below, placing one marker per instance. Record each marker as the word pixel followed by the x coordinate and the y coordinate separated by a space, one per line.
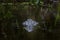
pixel 29 25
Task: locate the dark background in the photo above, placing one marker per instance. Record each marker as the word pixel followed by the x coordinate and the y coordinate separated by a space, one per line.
pixel 14 12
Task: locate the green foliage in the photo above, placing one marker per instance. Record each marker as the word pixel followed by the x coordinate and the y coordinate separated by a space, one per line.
pixel 58 14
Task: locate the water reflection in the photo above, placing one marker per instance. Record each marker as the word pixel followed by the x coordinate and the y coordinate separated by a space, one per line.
pixel 29 25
